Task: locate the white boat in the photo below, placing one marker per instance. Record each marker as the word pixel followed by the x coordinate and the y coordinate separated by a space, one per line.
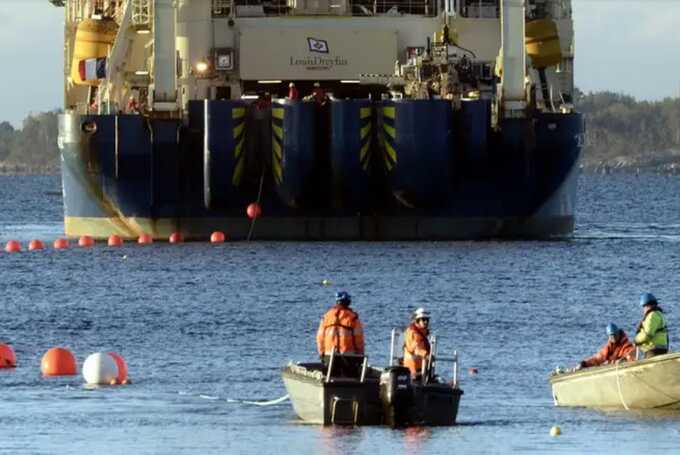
pixel 645 384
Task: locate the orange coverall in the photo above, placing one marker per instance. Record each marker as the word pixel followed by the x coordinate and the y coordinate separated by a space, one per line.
pixel 611 352
pixel 340 328
pixel 416 348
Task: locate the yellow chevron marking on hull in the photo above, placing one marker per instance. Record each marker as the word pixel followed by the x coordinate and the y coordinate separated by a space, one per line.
pixel 238 129
pixel 238 112
pixel 238 172
pixel 277 150
pixel 278 131
pixel 364 112
pixel 277 170
pixel 278 113
pixel 389 130
pixel 391 152
pixel 388 164
pixel 365 130
pixel 364 151
pixel 239 147
pixel 389 112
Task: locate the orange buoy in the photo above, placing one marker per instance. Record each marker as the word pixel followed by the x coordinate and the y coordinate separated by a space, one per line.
pixel 254 210
pixel 58 362
pixel 145 239
pixel 85 241
pixel 7 357
pixel 60 244
pixel 115 240
pixel 122 367
pixel 35 245
pixel 13 246
pixel 176 237
pixel 217 237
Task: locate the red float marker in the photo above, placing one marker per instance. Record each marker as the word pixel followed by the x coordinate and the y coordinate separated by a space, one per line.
pixel 254 210
pixel 7 357
pixel 122 377
pixel 217 237
pixel 85 241
pixel 13 246
pixel 145 239
pixel 472 371
pixel 60 244
pixel 115 240
pixel 176 237
pixel 58 362
pixel 34 245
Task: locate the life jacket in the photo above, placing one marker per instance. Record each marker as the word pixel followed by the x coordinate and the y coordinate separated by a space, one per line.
pixel 611 352
pixel 416 348
pixel 340 329
pixel 653 331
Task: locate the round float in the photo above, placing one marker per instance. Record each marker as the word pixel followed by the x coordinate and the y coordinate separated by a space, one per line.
pixel 58 362
pixel 100 369
pixel 8 358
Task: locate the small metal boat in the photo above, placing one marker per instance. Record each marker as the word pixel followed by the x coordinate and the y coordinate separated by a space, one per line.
pixel 376 396
pixel 645 384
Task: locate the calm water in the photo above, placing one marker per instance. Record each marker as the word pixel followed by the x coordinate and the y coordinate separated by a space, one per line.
pixel 204 327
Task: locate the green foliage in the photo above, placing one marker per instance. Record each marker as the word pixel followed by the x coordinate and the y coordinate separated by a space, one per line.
pixel 622 132
pixel 32 148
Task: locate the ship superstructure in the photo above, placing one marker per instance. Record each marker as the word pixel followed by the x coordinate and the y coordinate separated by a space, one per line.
pixel 343 119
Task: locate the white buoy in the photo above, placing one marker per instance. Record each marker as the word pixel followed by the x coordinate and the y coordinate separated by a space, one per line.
pixel 100 368
pixel 555 431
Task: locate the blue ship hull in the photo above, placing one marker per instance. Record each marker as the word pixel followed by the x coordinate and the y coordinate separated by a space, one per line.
pixel 352 169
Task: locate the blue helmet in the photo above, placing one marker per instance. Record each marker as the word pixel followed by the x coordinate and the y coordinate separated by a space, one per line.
pixel 612 329
pixel 343 297
pixel 647 298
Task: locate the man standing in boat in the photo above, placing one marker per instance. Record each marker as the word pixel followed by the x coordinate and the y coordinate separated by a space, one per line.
pixel 341 334
pixel 618 347
pixel 652 332
pixel 416 343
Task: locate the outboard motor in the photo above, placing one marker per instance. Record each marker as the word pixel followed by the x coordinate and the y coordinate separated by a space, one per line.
pixel 396 395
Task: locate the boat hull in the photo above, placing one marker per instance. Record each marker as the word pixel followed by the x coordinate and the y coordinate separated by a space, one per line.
pixel 340 402
pixel 346 401
pixel 647 384
pixel 128 175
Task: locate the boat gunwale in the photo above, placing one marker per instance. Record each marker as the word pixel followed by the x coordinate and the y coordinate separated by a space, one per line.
pixel 620 367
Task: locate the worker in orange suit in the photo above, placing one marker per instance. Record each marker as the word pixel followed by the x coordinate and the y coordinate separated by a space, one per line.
pixel 293 92
pixel 341 335
pixel 618 348
pixel 416 342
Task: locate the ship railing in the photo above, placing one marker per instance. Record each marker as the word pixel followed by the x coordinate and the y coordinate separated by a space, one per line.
pixel 479 9
pixel 399 7
pixel 142 14
pixel 258 8
pixel 428 365
pixel 222 8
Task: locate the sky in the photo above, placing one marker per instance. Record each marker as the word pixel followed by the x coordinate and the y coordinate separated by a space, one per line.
pixel 628 46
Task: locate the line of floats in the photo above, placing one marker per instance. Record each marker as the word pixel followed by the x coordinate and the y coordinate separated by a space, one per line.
pixel 253 211
pixel 100 368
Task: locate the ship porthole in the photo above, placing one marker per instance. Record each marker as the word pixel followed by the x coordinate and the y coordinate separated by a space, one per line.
pixel 89 127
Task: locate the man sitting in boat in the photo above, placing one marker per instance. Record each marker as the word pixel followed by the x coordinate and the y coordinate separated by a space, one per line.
pixel 652 333
pixel 341 334
pixel 618 347
pixel 416 343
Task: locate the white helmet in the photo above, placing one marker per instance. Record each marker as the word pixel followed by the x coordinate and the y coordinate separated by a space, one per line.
pixel 420 313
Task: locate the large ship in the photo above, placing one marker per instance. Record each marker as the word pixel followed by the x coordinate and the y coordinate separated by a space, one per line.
pixel 340 119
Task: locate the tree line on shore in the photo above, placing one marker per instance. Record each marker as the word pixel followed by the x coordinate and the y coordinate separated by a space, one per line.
pixel 621 134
